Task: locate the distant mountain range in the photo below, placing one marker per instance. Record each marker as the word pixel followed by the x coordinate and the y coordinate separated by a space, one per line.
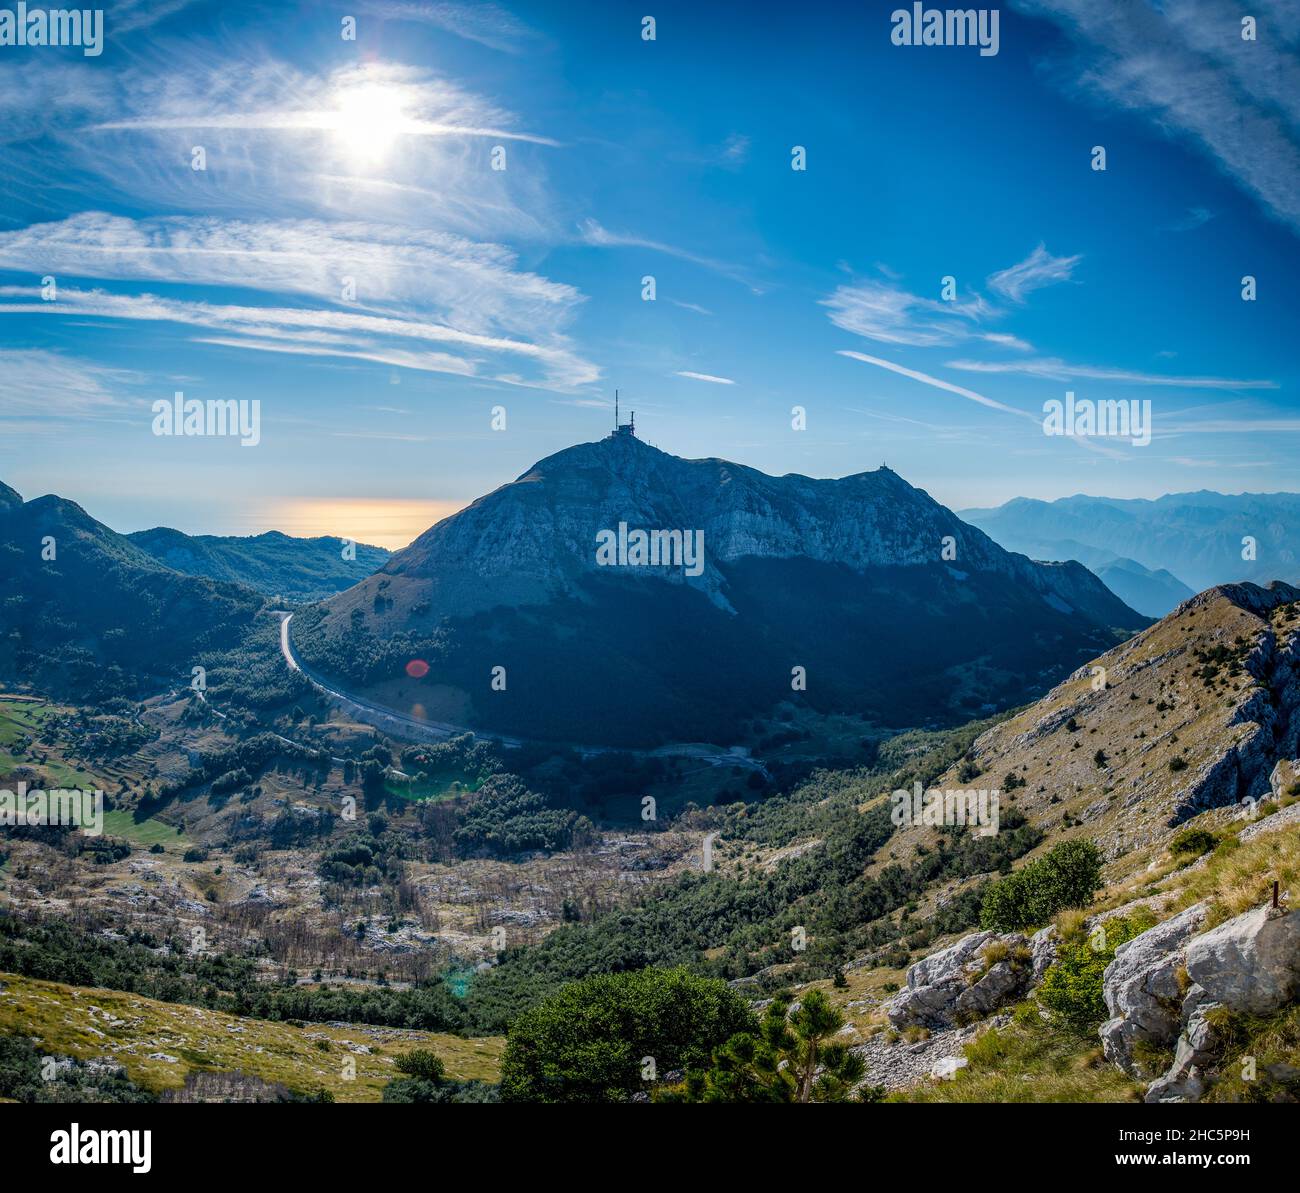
pixel 91 613
pixel 891 605
pixel 86 613
pixel 273 563
pixel 1154 554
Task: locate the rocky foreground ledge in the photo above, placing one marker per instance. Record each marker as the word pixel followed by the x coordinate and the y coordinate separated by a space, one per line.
pixel 1173 986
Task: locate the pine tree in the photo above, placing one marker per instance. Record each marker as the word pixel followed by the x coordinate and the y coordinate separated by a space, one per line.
pixel 794 1058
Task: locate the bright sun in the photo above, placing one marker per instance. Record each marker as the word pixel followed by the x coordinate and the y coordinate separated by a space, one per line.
pixel 367 120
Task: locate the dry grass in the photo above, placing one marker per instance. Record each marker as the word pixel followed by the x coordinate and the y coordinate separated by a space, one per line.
pixel 159 1043
pixel 1238 877
pixel 1027 1061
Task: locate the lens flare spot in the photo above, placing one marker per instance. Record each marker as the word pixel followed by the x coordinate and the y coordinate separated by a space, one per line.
pixel 417 668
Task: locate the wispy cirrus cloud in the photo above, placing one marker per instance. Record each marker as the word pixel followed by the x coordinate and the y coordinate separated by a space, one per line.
pixel 1037 270
pixel 127 16
pixel 972 396
pixel 704 377
pixel 735 151
pixel 43 384
pixel 889 314
pixel 1196 217
pixel 1059 370
pixel 304 331
pixel 592 232
pixel 1003 340
pixel 1187 69
pixel 475 286
pixel 468 303
pixel 372 101
pixel 487 24
pixel 935 382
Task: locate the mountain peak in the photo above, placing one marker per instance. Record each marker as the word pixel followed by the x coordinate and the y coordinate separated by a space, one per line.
pixel 1252 598
pixel 9 498
pixel 863 580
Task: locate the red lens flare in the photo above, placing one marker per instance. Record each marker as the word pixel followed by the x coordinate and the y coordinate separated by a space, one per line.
pixel 417 668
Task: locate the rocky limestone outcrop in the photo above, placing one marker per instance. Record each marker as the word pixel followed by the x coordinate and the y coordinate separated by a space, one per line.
pixel 969 979
pixel 1142 989
pixel 1196 1049
pixel 1251 963
pixel 1043 945
pixel 1164 987
pixel 897 1064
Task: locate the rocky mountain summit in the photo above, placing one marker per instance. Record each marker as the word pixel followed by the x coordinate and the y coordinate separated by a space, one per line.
pixel 536 535
pixel 864 582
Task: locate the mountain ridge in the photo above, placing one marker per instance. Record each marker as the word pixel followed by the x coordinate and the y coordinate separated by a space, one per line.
pixel 790 565
pixel 273 563
pixel 1203 538
pixel 87 611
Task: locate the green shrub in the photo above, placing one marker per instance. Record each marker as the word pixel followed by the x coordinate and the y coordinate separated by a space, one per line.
pixel 590 1041
pixel 1067 876
pixel 1071 987
pixel 421 1063
pixel 1192 843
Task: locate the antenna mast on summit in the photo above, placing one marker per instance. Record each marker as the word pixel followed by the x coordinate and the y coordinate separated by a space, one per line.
pixel 621 428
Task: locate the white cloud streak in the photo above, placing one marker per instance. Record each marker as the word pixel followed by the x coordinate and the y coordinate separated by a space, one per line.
pixel 1059 370
pixel 937 383
pixel 883 312
pixel 705 377
pixel 467 298
pixel 487 24
pixel 593 233
pixel 50 385
pixel 1037 270
pixel 1186 68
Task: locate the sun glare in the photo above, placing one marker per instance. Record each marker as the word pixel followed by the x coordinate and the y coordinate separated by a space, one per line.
pixel 367 120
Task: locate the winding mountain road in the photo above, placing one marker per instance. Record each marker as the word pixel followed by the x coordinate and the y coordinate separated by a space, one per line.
pixel 424 729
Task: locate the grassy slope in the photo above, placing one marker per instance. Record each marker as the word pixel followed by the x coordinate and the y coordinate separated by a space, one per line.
pixel 86 1022
pixel 22 717
pixel 1029 1061
pixel 147 832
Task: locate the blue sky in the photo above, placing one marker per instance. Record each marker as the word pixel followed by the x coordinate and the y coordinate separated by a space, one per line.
pixel 521 287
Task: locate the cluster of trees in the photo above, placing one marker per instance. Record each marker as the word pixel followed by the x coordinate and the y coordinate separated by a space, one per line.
pixel 29 1075
pixel 673 1036
pixel 466 755
pixel 1068 875
pixel 365 858
pixel 612 1036
pixel 142 963
pixel 503 817
pixel 251 674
